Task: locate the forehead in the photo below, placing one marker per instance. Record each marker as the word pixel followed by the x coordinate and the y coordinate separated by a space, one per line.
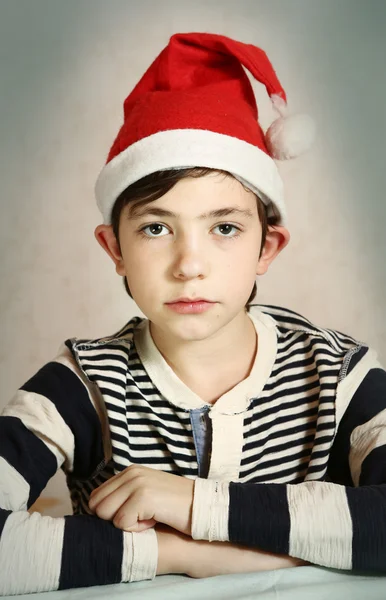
pixel 200 199
pixel 151 210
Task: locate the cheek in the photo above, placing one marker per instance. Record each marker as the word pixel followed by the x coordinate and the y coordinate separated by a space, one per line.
pixel 245 265
pixel 142 272
pixel 134 258
pixel 246 255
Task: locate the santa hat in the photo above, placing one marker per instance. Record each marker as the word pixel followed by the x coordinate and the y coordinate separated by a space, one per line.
pixel 195 107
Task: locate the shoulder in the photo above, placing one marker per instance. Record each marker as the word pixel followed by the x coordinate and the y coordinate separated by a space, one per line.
pixel 123 335
pixel 100 359
pixel 291 325
pixel 361 378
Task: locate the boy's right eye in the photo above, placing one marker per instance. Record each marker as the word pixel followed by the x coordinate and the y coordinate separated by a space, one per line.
pixel 153 226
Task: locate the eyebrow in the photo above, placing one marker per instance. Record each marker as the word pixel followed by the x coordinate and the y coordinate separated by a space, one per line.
pixel 219 212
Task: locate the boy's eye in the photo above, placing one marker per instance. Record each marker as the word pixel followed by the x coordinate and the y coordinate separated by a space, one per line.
pixel 156 227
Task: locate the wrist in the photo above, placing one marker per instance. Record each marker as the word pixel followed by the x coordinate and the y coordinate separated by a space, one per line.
pixel 173 550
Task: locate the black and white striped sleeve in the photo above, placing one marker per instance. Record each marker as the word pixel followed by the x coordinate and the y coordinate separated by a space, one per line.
pixel 52 422
pixel 339 523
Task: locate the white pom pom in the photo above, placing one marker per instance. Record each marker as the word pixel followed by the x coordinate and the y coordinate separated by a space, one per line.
pixel 289 136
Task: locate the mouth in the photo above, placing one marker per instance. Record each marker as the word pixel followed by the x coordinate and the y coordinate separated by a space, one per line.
pixel 189 300
pixel 190 307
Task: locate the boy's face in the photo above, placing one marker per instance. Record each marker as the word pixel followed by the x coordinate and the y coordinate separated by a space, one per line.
pixel 216 258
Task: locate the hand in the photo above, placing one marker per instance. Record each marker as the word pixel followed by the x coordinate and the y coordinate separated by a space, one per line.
pixel 138 497
pixel 179 553
pixel 209 559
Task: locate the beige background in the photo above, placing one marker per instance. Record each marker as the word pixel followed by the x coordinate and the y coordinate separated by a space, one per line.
pixel 65 69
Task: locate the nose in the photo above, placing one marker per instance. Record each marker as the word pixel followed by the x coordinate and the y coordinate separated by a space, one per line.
pixel 189 261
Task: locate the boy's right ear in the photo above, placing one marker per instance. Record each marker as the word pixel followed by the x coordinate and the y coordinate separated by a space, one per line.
pixel 106 238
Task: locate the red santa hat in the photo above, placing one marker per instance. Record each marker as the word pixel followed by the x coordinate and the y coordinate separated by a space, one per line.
pixel 195 107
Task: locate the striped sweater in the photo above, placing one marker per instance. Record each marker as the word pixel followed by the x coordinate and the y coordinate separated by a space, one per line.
pixel 291 460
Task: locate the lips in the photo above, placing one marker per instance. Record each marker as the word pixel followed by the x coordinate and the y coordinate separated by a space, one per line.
pixel 188 300
pixel 190 308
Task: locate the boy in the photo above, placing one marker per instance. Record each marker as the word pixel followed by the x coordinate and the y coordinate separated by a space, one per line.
pixel 212 419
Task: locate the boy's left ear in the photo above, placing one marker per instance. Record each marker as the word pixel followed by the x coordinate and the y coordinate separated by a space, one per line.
pixel 276 240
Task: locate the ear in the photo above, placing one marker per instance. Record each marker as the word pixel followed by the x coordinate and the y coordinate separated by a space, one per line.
pixel 106 238
pixel 276 240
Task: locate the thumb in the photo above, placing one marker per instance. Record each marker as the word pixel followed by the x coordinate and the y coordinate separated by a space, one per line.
pixel 141 526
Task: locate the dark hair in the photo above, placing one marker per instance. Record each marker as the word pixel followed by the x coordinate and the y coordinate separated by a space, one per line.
pixel 157 184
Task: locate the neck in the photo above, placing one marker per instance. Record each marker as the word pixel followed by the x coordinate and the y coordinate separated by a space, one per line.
pixel 230 350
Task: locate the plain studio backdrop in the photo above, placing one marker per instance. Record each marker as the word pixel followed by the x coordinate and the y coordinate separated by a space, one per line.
pixel 66 68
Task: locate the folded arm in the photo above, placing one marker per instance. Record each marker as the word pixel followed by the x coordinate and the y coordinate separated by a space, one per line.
pixel 41 431
pixel 339 524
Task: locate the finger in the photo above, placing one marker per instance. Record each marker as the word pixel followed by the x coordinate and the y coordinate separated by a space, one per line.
pixel 108 487
pixel 103 491
pixel 109 506
pixel 140 526
pixel 135 509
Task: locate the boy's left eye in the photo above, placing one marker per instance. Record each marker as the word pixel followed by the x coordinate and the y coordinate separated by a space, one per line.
pixel 229 225
pixel 221 225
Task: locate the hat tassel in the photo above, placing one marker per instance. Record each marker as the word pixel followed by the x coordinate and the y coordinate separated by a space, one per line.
pixel 289 135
